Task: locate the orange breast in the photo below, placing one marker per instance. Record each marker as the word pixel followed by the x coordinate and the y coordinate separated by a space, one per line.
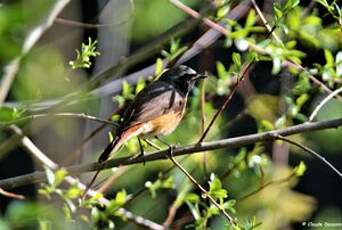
pixel 165 124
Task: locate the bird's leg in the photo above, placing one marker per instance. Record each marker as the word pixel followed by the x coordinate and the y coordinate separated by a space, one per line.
pixel 171 147
pixel 153 145
pixel 142 152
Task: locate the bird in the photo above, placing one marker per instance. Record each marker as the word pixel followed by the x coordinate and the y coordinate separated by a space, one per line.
pixel 156 110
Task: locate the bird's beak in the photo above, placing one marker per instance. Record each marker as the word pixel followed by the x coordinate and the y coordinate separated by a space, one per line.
pixel 199 76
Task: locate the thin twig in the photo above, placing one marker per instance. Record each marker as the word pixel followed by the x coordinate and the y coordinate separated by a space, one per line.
pixel 197 15
pixel 11 195
pixel 171 214
pixel 265 22
pixel 312 152
pixel 212 200
pixel 184 150
pixel 111 180
pixel 265 185
pixel 323 102
pixel 73 23
pixel 228 98
pixel 39 155
pixel 73 115
pixel 31 39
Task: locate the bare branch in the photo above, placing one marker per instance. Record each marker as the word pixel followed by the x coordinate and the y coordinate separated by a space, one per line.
pixel 196 15
pixel 12 68
pixel 73 115
pixel 323 102
pixel 38 154
pixel 11 195
pixel 265 185
pixel 73 23
pixel 185 150
pixel 205 193
pixel 265 22
pixel 244 72
pixel 312 152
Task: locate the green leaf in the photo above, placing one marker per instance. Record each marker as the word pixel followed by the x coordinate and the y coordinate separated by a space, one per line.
pixel 221 70
pixel 215 188
pixel 192 197
pixel 236 59
pixel 267 125
pixel 300 169
pixel 116 117
pixel 161 183
pixel 8 114
pixel 329 58
pixel 140 86
pixel 251 19
pixel 83 57
pixel 126 89
pixel 278 12
pixel 300 101
pixel 222 11
pixel 121 197
pixel 59 176
pixel 74 192
pixel 159 67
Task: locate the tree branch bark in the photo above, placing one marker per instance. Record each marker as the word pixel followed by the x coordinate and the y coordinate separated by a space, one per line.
pixel 236 142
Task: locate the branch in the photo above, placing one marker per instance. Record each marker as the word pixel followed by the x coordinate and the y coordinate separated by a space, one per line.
pixel 31 39
pixel 11 195
pixel 228 98
pixel 185 150
pixel 38 154
pixel 73 23
pixel 309 150
pixel 323 102
pixel 197 15
pixel 272 182
pixel 205 193
pixel 265 22
pixel 74 115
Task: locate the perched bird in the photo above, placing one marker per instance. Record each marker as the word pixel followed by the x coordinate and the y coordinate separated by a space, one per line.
pixel 156 110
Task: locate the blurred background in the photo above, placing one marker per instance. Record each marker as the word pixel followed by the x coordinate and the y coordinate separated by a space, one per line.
pixel 267 99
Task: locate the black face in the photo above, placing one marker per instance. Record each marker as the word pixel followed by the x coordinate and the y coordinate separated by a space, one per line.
pixel 183 77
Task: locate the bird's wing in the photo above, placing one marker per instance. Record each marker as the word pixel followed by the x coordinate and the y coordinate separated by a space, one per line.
pixel 153 101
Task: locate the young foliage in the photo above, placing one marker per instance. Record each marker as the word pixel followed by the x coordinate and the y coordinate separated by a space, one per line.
pixel 83 58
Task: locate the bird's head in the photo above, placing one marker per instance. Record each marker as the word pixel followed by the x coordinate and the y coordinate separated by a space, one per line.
pixel 182 77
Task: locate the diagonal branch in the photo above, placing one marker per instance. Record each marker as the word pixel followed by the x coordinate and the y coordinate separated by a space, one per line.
pixel 39 155
pixel 205 193
pixel 228 98
pixel 323 102
pixel 74 115
pixel 12 68
pixel 309 150
pixel 185 150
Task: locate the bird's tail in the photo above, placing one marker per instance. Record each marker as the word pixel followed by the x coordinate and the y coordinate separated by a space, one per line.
pixel 114 144
pixel 119 139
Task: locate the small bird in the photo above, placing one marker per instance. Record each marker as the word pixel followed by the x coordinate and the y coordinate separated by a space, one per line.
pixel 156 110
